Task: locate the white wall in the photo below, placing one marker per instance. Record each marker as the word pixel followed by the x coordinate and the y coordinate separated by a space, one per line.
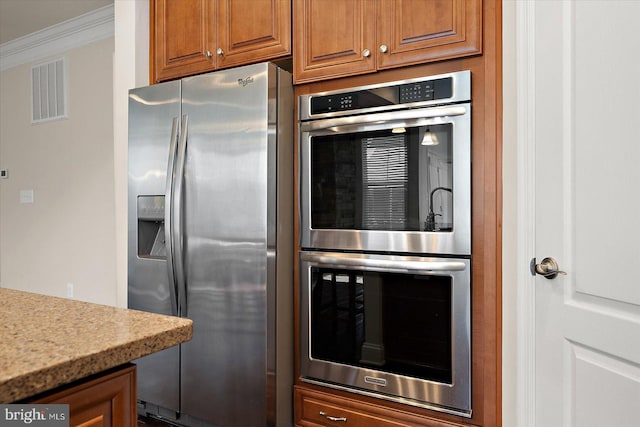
pixel 76 231
pixel 131 69
pixel 68 234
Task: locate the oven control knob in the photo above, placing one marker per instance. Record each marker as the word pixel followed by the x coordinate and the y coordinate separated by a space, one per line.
pixel 384 48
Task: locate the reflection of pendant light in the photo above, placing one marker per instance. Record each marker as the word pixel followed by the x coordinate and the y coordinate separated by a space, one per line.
pixel 429 138
pixel 398 130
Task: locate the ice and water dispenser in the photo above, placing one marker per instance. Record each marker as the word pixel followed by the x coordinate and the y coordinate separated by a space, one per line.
pixel 151 227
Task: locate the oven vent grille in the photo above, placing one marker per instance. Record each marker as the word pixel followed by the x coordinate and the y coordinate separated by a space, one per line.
pixel 48 91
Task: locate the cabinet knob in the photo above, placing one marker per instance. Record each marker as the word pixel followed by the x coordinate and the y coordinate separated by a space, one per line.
pixel 366 53
pixel 208 54
pixel 384 48
pixel 219 51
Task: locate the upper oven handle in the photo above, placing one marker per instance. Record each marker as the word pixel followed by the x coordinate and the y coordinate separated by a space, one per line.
pixel 391 116
pixel 381 263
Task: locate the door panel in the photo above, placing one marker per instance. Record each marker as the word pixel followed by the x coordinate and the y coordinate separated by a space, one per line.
pixel 587 322
pixel 332 37
pixel 183 32
pixel 253 30
pixel 614 378
pixel 151 113
pixel 419 31
pixel 225 240
pixel 606 160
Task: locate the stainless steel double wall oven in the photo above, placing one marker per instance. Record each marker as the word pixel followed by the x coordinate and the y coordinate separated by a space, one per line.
pixel 385 217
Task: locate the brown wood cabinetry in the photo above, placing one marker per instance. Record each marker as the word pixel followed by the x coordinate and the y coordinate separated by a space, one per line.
pixel 331 37
pixel 107 400
pixel 486 186
pixel 316 409
pixel 336 38
pixel 181 35
pixel 195 36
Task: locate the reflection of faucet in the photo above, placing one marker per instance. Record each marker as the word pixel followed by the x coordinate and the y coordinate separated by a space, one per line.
pixel 430 223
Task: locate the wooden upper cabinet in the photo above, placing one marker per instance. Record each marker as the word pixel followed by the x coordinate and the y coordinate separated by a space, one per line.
pixel 252 31
pixel 416 31
pixel 183 33
pixel 336 38
pixel 333 38
pixel 195 36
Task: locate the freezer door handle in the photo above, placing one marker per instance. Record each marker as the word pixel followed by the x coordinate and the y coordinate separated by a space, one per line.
pixel 177 226
pixel 168 217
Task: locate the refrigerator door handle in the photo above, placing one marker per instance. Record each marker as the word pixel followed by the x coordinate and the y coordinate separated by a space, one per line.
pixel 178 227
pixel 168 216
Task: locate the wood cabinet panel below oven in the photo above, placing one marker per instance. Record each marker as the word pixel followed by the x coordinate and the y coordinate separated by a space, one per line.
pixel 316 409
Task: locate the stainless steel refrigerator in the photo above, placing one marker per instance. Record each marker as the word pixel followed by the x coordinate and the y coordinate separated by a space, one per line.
pixel 210 239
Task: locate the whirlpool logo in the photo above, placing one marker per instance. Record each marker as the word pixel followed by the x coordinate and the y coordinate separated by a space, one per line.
pixel 246 81
pixel 34 415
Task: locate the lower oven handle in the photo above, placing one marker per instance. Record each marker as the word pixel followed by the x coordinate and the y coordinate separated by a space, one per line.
pixel 366 262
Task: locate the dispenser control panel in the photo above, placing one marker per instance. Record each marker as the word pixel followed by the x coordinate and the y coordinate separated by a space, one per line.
pixel 151 208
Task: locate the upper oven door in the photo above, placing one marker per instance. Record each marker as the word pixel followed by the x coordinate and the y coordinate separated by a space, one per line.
pixel 392 182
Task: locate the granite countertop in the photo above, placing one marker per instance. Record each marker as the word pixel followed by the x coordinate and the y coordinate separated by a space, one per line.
pixel 47 341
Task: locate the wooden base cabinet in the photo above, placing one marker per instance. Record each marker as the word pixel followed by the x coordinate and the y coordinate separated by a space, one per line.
pixel 107 400
pixel 317 409
pixel 337 38
pixel 195 36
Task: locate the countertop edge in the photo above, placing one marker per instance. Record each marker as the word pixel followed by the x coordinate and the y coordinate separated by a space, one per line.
pixel 32 383
pixel 49 341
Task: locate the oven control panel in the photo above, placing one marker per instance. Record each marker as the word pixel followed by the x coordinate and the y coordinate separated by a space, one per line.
pixel 425 91
pixel 393 95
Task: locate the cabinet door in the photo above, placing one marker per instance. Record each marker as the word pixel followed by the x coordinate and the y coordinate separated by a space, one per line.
pixel 417 31
pixel 252 31
pixel 183 36
pixel 333 38
pixel 106 401
pixel 318 409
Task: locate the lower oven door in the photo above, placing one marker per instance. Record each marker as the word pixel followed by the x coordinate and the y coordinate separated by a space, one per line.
pixel 394 327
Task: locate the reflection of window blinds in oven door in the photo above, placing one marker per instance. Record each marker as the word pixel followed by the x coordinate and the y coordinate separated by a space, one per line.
pixel 384 181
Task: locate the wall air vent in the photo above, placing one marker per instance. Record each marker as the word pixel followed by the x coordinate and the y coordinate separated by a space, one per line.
pixel 48 88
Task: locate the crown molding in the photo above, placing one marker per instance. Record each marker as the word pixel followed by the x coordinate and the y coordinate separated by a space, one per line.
pixel 73 33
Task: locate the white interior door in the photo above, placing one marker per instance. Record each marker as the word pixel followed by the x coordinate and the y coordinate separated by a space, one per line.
pixel 585 118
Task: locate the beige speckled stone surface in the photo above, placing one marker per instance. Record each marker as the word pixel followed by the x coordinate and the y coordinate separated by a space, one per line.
pixel 46 341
